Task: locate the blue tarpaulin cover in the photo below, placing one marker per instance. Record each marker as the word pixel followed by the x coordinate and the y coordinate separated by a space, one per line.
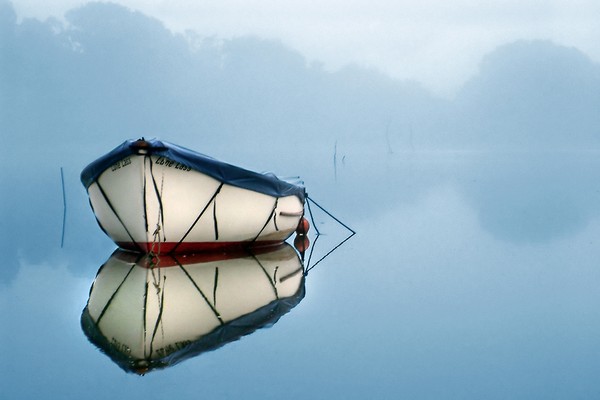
pixel 229 174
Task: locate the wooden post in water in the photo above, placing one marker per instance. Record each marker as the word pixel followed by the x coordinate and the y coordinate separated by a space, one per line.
pixel 62 180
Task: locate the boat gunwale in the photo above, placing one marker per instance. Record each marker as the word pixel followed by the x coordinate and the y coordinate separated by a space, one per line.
pixel 229 174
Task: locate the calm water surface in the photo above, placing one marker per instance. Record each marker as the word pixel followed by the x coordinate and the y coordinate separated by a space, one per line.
pixel 472 275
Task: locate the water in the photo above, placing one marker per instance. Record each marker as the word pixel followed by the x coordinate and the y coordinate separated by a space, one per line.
pixel 472 275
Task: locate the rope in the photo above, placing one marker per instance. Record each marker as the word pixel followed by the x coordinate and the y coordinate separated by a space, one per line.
pixel 156 237
pixel 215 284
pixel 268 220
pixel 215 222
pixel 112 297
pixel 198 217
pixel 271 281
pixel 161 214
pixel 213 309
pixel 328 213
pixel 309 267
pixel 118 217
pixel 144 198
pixel 311 216
pixel 326 255
pixel 158 323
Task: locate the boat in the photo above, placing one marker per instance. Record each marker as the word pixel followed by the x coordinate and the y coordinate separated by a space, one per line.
pixel 155 196
pixel 148 312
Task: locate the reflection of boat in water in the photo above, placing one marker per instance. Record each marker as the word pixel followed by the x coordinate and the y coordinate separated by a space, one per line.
pixel 147 312
pixel 149 195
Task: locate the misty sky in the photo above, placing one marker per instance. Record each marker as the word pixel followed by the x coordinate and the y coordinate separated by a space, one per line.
pixel 435 42
pixel 474 271
pixel 107 73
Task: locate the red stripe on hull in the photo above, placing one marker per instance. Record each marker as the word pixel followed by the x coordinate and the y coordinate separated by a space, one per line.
pixel 172 260
pixel 193 247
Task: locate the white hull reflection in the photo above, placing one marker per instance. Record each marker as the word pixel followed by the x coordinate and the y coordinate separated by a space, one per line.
pixel 150 312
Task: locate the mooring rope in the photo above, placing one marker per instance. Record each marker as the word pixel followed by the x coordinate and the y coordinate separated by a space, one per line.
pixel 309 267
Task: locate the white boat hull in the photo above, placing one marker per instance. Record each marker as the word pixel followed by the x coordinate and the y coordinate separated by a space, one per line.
pixel 149 203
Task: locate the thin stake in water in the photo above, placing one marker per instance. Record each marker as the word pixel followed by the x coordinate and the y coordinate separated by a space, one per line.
pixel 62 180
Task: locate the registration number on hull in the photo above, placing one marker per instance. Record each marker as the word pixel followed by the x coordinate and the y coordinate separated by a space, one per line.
pixel 120 164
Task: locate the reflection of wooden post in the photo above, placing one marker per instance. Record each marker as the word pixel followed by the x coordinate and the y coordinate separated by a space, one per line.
pixel 62 180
